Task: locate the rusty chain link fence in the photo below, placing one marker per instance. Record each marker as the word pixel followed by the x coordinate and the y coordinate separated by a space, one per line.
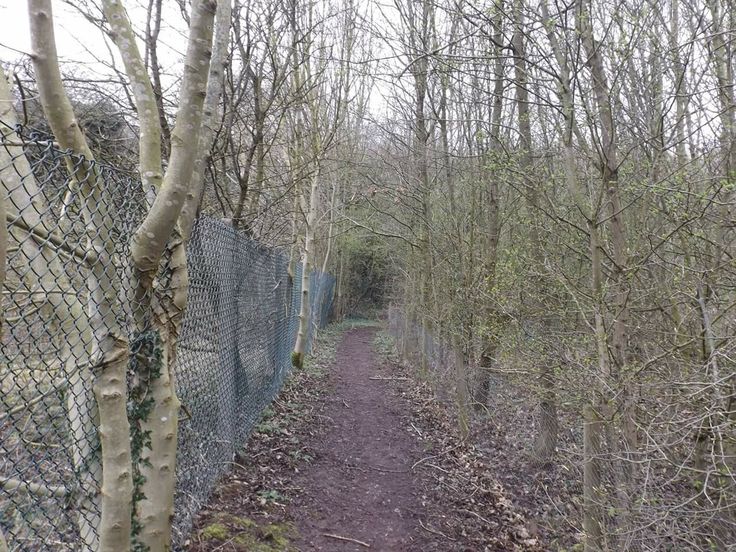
pixel 234 351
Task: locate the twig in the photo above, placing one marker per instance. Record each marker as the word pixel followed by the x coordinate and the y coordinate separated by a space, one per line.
pixel 346 404
pixel 348 539
pixel 480 517
pixel 422 460
pixel 386 469
pixel 443 453
pixel 417 430
pixel 21 407
pixel 435 531
pixel 41 235
pixel 382 378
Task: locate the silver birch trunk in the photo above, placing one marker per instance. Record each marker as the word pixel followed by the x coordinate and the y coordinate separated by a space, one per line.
pixel 160 311
pixel 223 20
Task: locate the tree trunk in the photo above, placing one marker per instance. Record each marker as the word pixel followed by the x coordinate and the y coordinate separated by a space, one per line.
pixel 109 351
pixel 546 439
pixel 159 313
pixel 491 338
pixel 215 80
pixel 462 396
pixel 302 336
pixel 592 480
pixel 619 339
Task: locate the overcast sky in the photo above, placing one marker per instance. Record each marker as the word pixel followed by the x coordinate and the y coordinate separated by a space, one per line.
pixel 79 41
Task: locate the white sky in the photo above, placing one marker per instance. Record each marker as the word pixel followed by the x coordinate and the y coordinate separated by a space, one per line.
pixel 14 33
pixel 78 40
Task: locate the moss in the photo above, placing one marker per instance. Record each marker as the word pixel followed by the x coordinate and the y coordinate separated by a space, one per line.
pixel 274 537
pixel 216 531
pixel 249 542
pixel 297 359
pixel 248 535
pixel 278 534
pixel 242 522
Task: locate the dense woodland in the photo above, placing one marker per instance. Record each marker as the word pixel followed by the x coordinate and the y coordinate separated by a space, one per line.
pixel 541 194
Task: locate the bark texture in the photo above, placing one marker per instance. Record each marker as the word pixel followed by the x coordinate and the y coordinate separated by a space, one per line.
pixel 109 348
pixel 159 310
pixel 300 347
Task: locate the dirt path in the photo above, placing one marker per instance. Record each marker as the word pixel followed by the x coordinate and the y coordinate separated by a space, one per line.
pixel 349 459
pixel 360 485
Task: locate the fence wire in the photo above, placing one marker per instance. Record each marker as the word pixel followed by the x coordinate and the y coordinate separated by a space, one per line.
pixel 234 349
pixel 666 507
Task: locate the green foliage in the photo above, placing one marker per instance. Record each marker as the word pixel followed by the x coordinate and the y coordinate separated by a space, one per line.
pixel 368 272
pixel 146 364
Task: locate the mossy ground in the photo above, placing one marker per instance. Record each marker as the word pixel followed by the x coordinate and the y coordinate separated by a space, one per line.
pixel 243 533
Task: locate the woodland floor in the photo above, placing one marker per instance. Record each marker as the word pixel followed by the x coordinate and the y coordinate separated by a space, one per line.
pixel 355 455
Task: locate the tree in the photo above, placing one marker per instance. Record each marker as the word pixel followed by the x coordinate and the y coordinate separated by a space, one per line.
pixel 323 93
pixel 157 311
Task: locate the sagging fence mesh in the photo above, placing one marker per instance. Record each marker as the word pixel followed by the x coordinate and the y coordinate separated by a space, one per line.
pixel 234 348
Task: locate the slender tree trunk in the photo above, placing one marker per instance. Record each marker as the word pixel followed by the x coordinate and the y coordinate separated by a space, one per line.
pixel 491 336
pixel 168 224
pixel 546 440
pixel 243 182
pixel 258 149
pixel 339 306
pixel 149 141
pixel 421 139
pixel 592 480
pixel 155 69
pixel 462 395
pixel 619 365
pixel 300 347
pixel 330 227
pixel 109 351
pixel 215 80
pixel 593 425
pixel 159 314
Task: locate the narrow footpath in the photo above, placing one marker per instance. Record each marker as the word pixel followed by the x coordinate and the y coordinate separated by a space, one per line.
pixel 361 486
pixel 356 455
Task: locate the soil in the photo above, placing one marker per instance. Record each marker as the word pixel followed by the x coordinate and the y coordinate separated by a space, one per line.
pixel 359 457
pixel 361 486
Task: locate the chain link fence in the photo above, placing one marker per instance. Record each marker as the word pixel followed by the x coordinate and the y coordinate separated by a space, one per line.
pixel 234 349
pixel 667 507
